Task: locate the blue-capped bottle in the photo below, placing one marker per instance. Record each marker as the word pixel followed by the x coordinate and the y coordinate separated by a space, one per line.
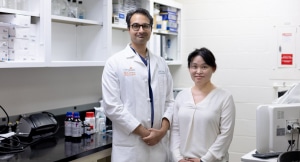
pixel 68 124
pixel 76 127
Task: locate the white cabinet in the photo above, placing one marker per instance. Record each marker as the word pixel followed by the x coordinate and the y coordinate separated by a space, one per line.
pixel 163 42
pixel 61 41
pixel 167 42
pixel 64 41
pixel 32 11
pixel 80 42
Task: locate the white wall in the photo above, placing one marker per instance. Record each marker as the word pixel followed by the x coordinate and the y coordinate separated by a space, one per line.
pixel 242 35
pixel 25 90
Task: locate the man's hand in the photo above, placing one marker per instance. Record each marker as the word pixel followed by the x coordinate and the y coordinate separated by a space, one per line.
pixel 141 131
pixel 156 135
pixel 193 160
pixel 183 160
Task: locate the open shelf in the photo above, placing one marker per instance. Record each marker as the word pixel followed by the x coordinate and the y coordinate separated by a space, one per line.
pixel 75 21
pixel 20 12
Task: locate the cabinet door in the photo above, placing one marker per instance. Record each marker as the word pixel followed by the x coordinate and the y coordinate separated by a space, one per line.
pixel 81 42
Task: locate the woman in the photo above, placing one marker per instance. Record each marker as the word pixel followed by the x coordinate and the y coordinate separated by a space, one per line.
pixel 204 115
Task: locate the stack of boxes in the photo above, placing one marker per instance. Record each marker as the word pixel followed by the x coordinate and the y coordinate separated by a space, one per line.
pixel 120 9
pixel 3 43
pixel 166 19
pixel 18 38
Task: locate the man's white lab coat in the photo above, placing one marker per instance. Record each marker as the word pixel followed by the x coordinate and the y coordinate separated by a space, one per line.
pixel 127 104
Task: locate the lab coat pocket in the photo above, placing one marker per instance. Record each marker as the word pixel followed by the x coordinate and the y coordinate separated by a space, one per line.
pixel 122 154
pixel 120 138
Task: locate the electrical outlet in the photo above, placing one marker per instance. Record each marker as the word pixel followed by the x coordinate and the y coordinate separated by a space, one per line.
pixel 3 121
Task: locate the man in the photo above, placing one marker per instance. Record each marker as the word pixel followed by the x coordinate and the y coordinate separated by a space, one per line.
pixel 141 113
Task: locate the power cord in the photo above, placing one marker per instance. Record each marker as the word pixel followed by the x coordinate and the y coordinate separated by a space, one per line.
pixel 12 144
pixel 7 117
pixel 8 144
pixel 292 141
pixel 298 139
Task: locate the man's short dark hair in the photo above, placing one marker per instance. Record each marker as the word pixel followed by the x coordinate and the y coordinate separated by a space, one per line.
pixel 138 11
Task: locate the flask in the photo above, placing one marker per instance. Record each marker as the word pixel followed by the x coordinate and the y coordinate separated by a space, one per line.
pixel 68 124
pixel 76 127
pixel 73 9
pixel 90 118
pixel 80 11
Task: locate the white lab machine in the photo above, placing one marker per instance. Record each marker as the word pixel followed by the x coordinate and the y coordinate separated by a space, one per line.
pixel 277 127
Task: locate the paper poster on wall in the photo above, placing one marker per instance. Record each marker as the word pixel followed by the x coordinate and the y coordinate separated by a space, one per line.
pixel 287 47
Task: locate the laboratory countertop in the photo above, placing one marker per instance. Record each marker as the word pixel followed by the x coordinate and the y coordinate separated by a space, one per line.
pixel 59 149
pixel 249 158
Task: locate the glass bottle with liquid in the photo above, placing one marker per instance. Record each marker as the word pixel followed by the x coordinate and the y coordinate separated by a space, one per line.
pixel 68 124
pixel 80 10
pixel 76 127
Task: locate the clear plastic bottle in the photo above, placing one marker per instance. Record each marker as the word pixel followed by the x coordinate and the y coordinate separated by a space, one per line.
pixel 76 127
pixel 103 139
pixel 99 113
pixel 68 124
pixel 80 11
pixel 102 126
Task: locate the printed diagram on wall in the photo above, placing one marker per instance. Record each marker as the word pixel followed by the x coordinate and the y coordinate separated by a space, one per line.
pixel 286 47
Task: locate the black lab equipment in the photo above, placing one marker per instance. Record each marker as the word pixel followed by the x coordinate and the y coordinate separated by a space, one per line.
pixel 38 125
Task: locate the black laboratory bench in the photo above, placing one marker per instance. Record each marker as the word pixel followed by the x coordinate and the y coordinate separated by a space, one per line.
pixel 57 148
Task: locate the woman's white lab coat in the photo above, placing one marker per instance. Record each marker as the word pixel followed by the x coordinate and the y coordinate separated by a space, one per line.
pixel 127 104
